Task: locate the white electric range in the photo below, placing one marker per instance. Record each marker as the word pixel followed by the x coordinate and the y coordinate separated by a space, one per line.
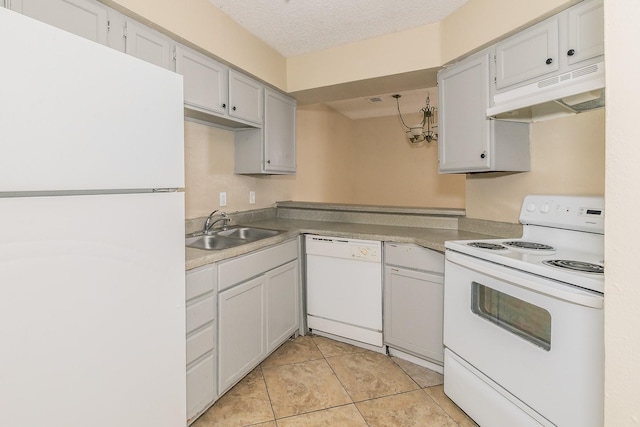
pixel 523 319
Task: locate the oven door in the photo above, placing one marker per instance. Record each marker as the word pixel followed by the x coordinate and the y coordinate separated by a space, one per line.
pixel 540 340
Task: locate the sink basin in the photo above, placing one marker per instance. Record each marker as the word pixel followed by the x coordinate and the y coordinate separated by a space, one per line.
pixel 211 242
pixel 224 239
pixel 248 233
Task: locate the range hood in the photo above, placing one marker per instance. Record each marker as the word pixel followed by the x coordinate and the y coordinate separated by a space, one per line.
pixel 566 93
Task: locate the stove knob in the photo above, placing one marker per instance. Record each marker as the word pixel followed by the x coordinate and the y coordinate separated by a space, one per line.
pixel 545 208
pixel 531 207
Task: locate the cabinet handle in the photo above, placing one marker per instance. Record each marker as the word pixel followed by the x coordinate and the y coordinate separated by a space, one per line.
pixel 483 155
pixel 268 162
pixel 571 52
pixel 234 108
pixel 224 105
pixel 549 61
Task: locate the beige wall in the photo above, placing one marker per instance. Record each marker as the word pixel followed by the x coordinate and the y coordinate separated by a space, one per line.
pixel 567 157
pixel 396 53
pixel 622 290
pixel 323 138
pixel 209 170
pixel 340 160
pixel 387 170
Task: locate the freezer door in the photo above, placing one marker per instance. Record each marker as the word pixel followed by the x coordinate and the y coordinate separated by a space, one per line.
pixel 76 115
pixel 92 311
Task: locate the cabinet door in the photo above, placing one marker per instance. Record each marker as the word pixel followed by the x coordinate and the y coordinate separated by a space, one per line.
pixel 84 18
pixel 117 28
pixel 586 31
pixel 414 312
pixel 148 45
pixel 282 304
pixel 529 54
pixel 245 98
pixel 279 132
pixel 205 81
pixel 464 131
pixel 241 333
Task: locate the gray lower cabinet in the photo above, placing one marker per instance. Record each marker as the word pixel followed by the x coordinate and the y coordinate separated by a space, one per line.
pixel 413 301
pixel 258 308
pixel 201 296
pixel 242 330
pixel 283 310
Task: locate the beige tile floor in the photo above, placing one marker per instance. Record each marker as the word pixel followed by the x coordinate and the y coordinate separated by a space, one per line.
pixel 315 381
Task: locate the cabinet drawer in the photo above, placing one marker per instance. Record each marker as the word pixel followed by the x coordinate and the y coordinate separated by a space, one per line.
pixel 242 268
pixel 200 313
pixel 200 281
pixel 200 343
pixel 413 256
pixel 200 386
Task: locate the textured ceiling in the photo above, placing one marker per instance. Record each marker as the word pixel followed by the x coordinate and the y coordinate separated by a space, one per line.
pixel 296 27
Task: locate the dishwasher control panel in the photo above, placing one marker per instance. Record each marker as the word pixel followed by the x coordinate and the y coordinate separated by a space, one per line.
pixel 336 247
pixel 368 253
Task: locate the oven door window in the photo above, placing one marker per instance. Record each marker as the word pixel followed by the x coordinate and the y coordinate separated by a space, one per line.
pixel 519 317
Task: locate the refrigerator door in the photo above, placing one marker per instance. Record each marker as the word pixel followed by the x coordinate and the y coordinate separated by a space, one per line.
pixel 79 116
pixel 92 311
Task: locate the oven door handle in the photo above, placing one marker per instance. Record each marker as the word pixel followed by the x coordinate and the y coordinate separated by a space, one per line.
pixel 544 286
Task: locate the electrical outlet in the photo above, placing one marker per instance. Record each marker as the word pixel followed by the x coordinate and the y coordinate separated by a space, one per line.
pixel 252 197
pixel 223 198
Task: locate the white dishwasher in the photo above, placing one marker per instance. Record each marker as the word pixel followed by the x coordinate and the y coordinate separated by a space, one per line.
pixel 344 288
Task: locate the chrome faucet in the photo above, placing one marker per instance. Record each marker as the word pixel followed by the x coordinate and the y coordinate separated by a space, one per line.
pixel 210 223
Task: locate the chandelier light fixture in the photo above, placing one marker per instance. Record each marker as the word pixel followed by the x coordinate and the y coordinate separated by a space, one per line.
pixel 424 130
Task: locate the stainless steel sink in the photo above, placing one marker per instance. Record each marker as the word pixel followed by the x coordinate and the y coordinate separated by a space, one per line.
pixel 224 239
pixel 248 233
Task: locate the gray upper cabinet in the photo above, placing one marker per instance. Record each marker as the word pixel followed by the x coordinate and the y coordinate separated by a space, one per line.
pixel 468 141
pixel 245 98
pixel 272 149
pixel 569 40
pixel 279 133
pixel 205 81
pixel 216 94
pixel 148 45
pixel 585 32
pixel 527 55
pixel 84 18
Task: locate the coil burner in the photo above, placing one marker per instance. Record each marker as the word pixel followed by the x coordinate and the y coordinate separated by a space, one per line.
pixel 528 245
pixel 485 245
pixel 584 267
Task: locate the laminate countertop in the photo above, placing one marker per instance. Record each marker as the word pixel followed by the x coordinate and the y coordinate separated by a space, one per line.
pixel 431 238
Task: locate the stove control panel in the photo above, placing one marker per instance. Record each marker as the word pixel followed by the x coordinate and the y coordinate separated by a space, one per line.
pixel 583 213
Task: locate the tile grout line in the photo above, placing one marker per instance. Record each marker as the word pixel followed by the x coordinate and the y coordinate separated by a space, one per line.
pixel 266 386
pixel 345 389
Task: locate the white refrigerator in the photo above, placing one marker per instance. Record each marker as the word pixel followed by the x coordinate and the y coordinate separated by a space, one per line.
pixel 92 312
